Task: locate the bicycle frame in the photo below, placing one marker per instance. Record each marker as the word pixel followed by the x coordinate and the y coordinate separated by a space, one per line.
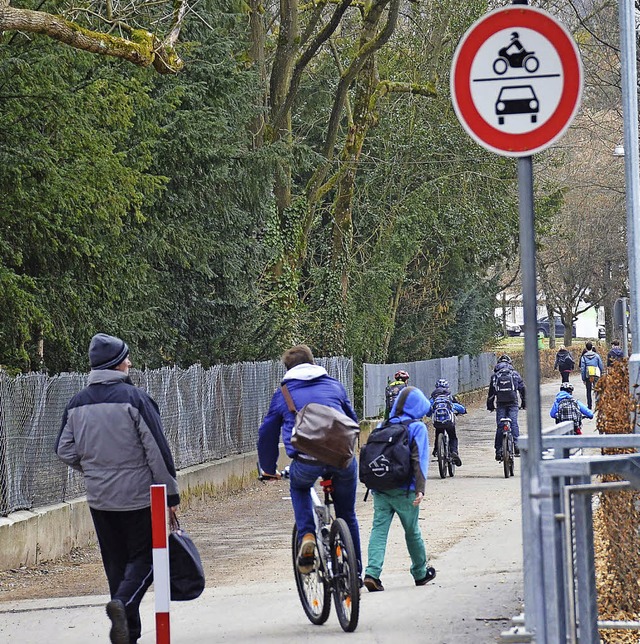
pixel 322 518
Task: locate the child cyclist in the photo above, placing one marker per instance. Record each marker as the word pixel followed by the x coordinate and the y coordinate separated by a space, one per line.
pixel 566 407
pixel 444 408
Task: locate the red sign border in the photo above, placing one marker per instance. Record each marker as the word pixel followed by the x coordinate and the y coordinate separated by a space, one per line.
pixel 523 144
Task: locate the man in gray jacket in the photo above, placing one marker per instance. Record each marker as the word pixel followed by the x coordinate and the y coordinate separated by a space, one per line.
pixel 112 433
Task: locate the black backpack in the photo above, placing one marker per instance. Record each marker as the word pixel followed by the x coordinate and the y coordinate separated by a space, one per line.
pixel 504 384
pixel 565 362
pixel 392 392
pixel 385 460
pixel 442 409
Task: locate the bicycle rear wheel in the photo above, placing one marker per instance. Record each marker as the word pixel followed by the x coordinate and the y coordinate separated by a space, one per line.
pixel 507 455
pixel 313 589
pixel 345 582
pixel 441 451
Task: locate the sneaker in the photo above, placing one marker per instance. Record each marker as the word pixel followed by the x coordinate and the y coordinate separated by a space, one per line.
pixel 498 456
pixel 456 459
pixel 119 633
pixel 372 584
pixel 307 554
pixel 431 574
pixel 516 451
pixel 434 453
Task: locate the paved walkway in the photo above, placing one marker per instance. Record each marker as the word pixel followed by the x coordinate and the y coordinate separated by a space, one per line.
pixel 477 591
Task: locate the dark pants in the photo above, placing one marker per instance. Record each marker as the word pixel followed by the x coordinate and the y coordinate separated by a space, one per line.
pixel 450 428
pixel 590 386
pixel 506 411
pixel 345 483
pixel 125 544
pixel 565 376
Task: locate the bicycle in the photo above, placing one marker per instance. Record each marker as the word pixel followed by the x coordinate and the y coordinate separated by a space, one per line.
pixel 335 572
pixel 443 453
pixel 508 447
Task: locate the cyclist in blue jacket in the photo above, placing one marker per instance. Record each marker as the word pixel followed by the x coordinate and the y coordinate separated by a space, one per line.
pixel 449 403
pixel 566 407
pixel 308 382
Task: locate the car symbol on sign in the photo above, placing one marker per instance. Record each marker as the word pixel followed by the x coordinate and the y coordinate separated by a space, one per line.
pixel 518 99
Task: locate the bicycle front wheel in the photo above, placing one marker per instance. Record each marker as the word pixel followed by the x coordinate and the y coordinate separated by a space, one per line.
pixel 451 466
pixel 345 582
pixel 313 589
pixel 441 451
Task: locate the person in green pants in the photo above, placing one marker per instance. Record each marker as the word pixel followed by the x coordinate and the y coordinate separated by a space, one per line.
pixel 403 501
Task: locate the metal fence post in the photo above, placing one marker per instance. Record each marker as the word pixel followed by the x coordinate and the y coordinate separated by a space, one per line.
pixel 586 595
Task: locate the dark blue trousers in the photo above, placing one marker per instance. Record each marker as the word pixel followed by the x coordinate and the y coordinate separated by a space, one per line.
pixel 506 411
pixel 125 544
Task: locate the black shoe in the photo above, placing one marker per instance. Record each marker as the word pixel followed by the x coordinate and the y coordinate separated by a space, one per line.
pixel 456 460
pixel 119 633
pixel 431 574
pixel 372 584
pixel 516 451
pixel 434 453
pixel 498 456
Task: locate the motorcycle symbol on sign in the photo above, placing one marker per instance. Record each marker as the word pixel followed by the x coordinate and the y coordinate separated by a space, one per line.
pixel 515 55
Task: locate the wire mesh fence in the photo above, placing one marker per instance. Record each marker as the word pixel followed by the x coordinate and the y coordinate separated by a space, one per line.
pixel 207 414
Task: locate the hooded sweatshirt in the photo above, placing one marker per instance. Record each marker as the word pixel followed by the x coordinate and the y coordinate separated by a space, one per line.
pixel 416 406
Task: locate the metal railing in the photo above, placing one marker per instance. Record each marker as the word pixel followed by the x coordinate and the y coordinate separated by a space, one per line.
pixel 570 489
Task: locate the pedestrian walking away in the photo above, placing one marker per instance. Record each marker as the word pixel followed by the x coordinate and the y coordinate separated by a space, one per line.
pixel 504 387
pixel 410 406
pixel 444 408
pixel 112 433
pixel 615 353
pixel 564 363
pixel 591 369
pixel 307 383
pixel 565 407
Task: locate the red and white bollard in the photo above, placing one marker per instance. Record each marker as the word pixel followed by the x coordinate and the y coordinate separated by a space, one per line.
pixel 161 582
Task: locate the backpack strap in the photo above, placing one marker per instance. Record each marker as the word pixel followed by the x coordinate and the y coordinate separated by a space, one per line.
pixel 288 399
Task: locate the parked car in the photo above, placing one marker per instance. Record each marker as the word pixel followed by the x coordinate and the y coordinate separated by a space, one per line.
pixel 543 327
pixel 513 329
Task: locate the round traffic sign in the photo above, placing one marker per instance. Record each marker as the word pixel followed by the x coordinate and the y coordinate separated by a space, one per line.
pixel 516 80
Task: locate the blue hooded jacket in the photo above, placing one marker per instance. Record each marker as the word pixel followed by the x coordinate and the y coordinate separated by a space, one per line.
pixel 585 411
pixel 416 406
pixel 306 383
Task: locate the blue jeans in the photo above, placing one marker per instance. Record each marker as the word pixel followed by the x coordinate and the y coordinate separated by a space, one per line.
pixel 345 483
pixel 509 410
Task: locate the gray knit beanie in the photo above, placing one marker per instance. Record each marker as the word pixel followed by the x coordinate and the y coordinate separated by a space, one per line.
pixel 106 351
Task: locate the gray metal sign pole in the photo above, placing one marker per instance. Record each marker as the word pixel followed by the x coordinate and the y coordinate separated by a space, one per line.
pixel 532 542
pixel 632 179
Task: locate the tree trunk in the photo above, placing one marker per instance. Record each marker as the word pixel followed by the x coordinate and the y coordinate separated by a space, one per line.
pixel 552 326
